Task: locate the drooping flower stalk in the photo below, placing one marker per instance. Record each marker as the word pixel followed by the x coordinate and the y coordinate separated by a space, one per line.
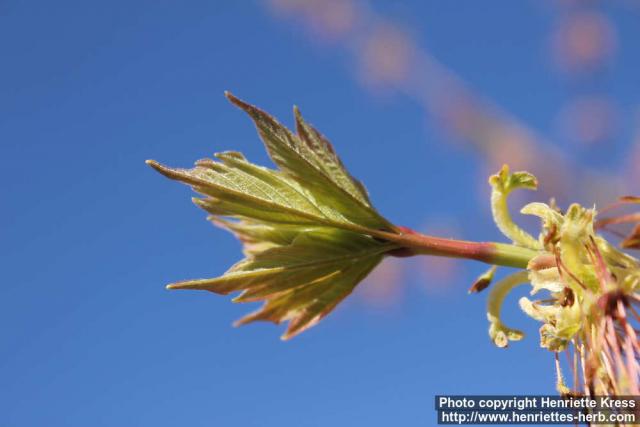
pixel 311 234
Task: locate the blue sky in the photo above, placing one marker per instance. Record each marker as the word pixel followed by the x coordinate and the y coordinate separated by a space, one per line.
pixel 90 235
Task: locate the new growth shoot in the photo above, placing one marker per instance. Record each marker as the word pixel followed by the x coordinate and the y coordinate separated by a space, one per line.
pixel 311 234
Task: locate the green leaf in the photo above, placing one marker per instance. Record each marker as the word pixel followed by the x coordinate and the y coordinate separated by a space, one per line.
pixel 311 161
pixel 306 227
pixel 257 237
pixel 238 188
pixel 324 157
pixel 302 281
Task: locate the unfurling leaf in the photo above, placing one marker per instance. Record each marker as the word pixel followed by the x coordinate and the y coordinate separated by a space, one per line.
pixel 302 281
pixel 305 226
pixel 309 159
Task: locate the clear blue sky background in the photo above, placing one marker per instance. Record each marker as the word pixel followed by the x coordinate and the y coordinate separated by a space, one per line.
pixel 89 234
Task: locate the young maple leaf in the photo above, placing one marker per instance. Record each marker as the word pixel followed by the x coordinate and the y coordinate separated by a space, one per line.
pixel 307 227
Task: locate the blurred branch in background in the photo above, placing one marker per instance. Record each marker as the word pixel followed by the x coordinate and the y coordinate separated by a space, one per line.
pixel 583 43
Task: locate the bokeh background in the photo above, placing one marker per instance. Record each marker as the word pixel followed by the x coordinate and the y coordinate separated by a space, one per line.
pixel 423 99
